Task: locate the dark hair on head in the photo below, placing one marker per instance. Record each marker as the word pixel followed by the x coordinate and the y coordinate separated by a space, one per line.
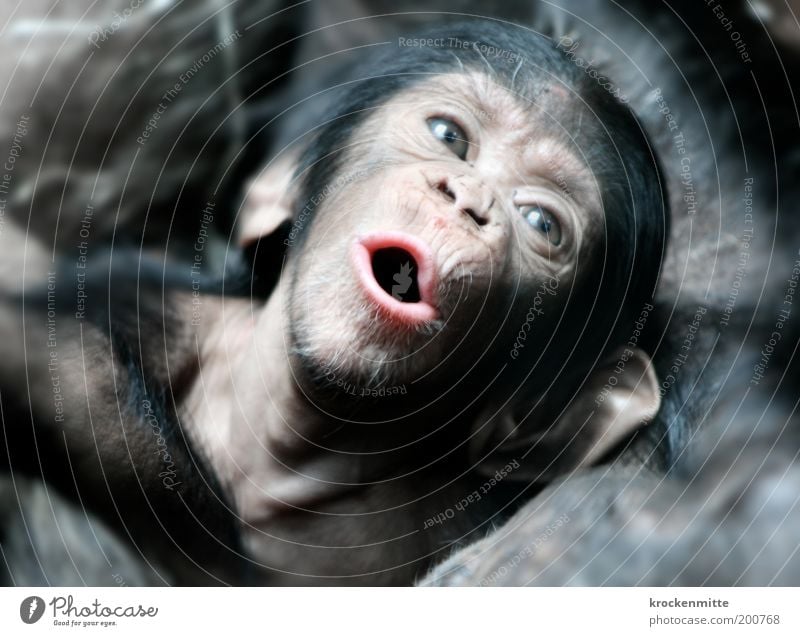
pixel 614 145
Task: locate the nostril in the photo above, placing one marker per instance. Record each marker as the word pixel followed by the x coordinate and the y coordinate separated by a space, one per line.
pixel 446 191
pixel 475 216
pixel 461 202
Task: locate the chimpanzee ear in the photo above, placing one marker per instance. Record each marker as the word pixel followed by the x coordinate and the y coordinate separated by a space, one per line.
pixel 618 398
pixel 268 201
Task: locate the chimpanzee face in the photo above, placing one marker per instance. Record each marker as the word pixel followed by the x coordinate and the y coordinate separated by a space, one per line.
pixel 458 205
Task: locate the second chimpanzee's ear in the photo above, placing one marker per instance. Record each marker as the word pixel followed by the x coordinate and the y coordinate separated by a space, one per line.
pixel 617 399
pixel 269 200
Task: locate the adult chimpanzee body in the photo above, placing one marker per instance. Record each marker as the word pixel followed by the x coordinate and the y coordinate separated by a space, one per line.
pixel 706 494
pixel 471 232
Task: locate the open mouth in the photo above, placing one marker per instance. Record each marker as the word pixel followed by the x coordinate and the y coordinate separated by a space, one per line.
pixel 397 273
pixel 396 270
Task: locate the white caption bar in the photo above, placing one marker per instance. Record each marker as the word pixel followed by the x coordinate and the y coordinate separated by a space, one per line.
pixel 400 611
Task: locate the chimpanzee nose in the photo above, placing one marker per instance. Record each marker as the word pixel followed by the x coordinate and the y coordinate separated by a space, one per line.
pixel 468 196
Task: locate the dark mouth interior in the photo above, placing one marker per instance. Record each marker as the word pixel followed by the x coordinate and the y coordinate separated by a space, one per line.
pixel 396 272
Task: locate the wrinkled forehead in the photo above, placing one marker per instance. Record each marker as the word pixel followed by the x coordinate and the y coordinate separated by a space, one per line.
pixel 497 103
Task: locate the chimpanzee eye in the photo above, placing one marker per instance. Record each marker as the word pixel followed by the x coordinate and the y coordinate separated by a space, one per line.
pixel 450 134
pixel 544 221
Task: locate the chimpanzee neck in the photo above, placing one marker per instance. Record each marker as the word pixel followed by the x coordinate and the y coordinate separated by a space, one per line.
pixel 246 412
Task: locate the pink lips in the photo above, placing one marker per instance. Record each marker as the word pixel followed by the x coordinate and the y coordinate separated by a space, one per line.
pixel 422 270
